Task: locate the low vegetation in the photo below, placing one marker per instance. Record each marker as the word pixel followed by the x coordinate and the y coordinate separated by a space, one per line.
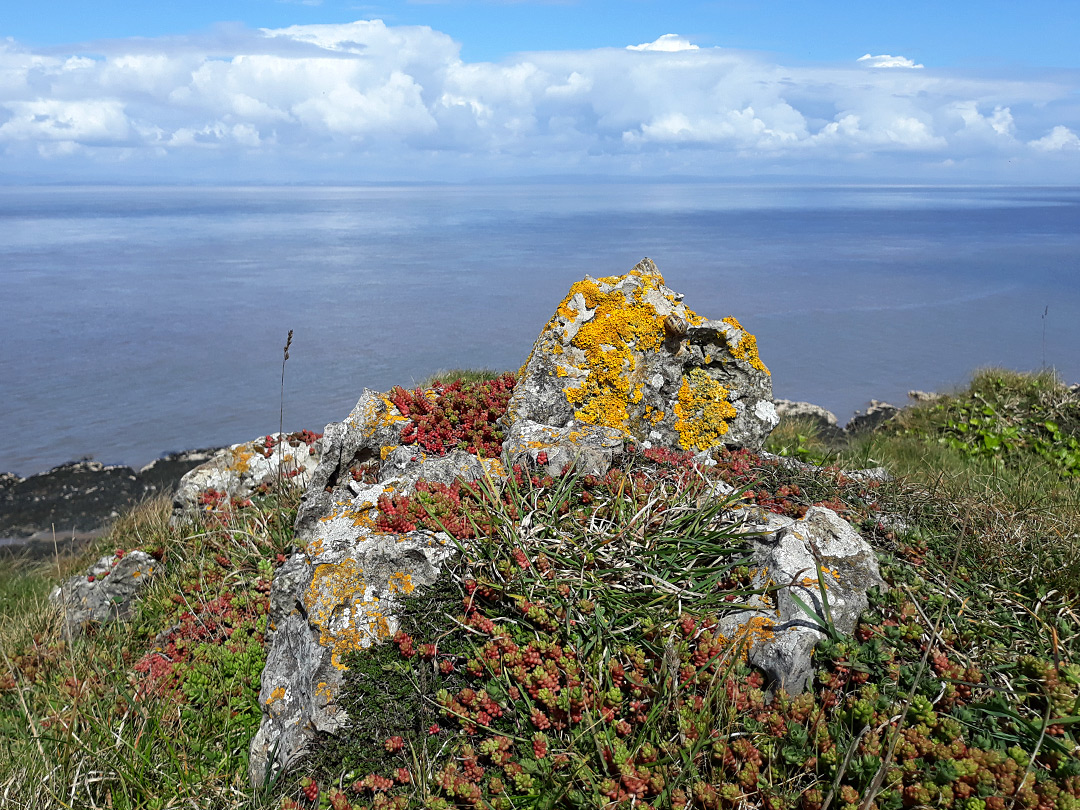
pixel 570 656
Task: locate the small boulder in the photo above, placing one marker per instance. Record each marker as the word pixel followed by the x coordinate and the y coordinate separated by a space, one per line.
pixel 338 595
pixel 877 414
pixel 106 592
pixel 589 449
pixel 239 470
pixel 779 633
pixel 624 353
pixel 791 409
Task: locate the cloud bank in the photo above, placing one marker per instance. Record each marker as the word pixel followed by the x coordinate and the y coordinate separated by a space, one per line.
pixel 363 100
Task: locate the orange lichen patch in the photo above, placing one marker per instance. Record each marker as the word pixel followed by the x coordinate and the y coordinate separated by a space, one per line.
pixel 401 582
pixel 620 326
pixel 386 450
pixel 702 411
pixel 750 633
pixel 336 607
pixel 566 311
pixel 560 371
pixel 324 690
pixel 276 695
pixel 493 467
pixel 241 458
pixel 746 347
pixel 315 547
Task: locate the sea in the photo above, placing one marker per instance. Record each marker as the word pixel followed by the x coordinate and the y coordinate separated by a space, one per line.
pixel 135 321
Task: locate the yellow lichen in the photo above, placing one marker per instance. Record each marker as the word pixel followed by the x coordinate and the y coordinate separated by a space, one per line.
pixel 746 347
pixel 276 695
pixel 241 457
pixel 324 690
pixel 620 326
pixel 336 607
pixel 401 583
pixel 387 450
pixel 702 411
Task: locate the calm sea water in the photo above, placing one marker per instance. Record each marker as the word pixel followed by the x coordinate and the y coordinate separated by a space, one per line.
pixel 135 321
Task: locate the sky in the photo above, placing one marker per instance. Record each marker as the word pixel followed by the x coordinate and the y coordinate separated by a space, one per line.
pixel 334 91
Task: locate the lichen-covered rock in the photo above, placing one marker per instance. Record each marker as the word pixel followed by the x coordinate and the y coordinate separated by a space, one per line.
pixel 625 353
pixel 106 592
pixel 237 471
pixel 371 430
pixel 589 449
pixel 337 595
pixel 780 634
pixel 341 592
pixel 406 465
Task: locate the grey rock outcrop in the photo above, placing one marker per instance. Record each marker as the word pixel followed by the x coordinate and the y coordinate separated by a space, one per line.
pixel 106 592
pixel 341 592
pixel 626 353
pixel 589 449
pixel 237 471
pixel 781 634
pixel 791 409
pixel 877 414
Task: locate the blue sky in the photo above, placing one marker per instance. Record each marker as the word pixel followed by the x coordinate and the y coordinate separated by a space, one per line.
pixel 269 91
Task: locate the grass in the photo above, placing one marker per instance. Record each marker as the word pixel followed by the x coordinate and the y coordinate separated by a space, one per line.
pixel 570 658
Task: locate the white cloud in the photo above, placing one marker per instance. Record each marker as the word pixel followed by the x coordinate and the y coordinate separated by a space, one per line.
pixel 669 43
pixel 337 100
pixel 1056 140
pixel 887 61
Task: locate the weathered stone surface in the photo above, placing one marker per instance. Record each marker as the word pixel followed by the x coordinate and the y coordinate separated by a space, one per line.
pixel 877 414
pixel 372 427
pixel 341 591
pixel 406 465
pixel 237 471
pixel 589 449
pixel 337 595
pixel 924 396
pixel 106 592
pixel 791 409
pixel 625 353
pixel 780 635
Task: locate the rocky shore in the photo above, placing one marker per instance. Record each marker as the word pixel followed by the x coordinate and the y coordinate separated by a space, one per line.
pixel 76 501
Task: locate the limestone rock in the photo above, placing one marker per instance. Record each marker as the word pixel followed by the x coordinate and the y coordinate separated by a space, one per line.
pixel 625 353
pixel 336 596
pixel 373 424
pixel 924 396
pixel 406 465
pixel 877 414
pixel 341 591
pixel 237 471
pixel 590 449
pixel 787 408
pixel 106 592
pixel 781 635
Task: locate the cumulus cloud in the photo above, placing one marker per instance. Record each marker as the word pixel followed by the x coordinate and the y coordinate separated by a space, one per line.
pixel 342 100
pixel 887 61
pixel 1056 140
pixel 670 43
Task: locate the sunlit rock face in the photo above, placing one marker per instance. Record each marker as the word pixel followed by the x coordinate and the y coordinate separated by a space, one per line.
pixel 626 354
